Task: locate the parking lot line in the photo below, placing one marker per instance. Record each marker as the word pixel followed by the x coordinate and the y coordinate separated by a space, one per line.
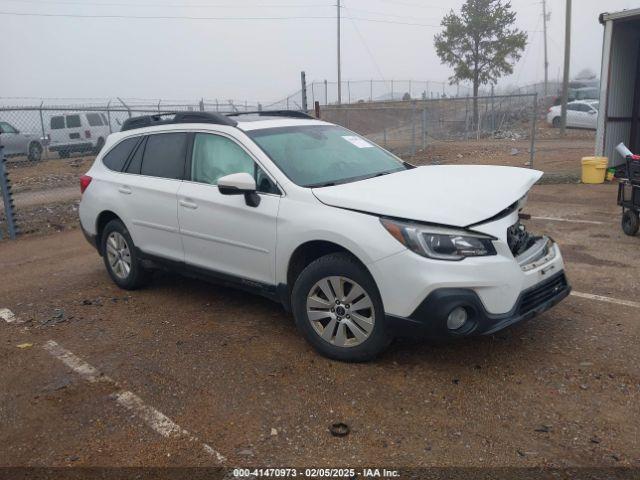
pixel 600 298
pixel 568 220
pixel 155 419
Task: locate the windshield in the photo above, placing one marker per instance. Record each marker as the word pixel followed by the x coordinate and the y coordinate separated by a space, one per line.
pixel 323 155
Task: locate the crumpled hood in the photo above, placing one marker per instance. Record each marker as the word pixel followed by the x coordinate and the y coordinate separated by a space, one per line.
pixel 454 195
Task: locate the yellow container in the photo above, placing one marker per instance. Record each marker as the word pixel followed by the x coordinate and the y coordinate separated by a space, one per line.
pixel 594 169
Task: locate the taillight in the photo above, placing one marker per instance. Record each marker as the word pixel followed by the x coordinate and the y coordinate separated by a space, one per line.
pixel 85 180
pixel 87 133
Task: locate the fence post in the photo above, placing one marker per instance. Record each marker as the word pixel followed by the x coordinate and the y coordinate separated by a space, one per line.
pixel 44 135
pixel 202 104
pixel 303 80
pixel 349 90
pixel 109 116
pixel 424 125
pixel 392 90
pixel 313 93
pixel 371 90
pixel 413 128
pixel 326 91
pixel 7 197
pixel 125 106
pixel 534 120
pixel 384 137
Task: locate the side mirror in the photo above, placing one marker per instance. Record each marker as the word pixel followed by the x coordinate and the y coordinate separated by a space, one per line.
pixel 240 184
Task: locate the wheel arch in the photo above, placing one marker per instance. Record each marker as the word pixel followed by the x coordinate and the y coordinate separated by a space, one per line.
pixel 306 253
pixel 101 221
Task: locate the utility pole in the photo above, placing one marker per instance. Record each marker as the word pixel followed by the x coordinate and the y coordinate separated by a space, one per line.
pixel 546 57
pixel 567 61
pixel 339 67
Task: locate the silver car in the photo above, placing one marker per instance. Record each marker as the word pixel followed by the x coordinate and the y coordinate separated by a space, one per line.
pixel 18 143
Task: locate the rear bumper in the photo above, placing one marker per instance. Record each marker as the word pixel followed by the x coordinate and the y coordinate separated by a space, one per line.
pixel 430 318
pixel 92 239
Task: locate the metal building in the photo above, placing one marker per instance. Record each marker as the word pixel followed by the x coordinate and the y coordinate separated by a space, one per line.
pixel 619 119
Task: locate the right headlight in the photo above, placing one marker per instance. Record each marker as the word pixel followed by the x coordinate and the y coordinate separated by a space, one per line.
pixel 440 243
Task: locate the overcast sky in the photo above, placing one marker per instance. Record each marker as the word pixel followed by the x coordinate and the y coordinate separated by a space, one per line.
pixel 256 58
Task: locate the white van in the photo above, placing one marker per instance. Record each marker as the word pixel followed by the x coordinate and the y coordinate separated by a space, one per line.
pixel 78 132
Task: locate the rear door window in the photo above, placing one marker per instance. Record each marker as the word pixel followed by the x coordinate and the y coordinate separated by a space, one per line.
pixel 73 121
pixel 118 155
pixel 136 159
pixel 164 155
pixel 57 123
pixel 94 119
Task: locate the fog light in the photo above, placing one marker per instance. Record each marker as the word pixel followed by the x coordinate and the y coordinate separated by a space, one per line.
pixel 457 318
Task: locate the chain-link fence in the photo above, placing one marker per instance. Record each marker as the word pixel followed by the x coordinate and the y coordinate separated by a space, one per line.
pixel 50 147
pixel 361 91
pixel 409 127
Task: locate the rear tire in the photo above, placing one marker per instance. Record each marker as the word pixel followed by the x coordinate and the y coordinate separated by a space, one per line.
pixel 35 152
pixel 120 258
pixel 556 122
pixel 348 322
pixel 630 223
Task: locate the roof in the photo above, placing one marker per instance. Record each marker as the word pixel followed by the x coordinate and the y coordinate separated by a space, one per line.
pixel 630 14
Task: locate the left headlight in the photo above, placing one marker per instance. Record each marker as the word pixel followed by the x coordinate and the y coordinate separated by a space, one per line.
pixel 439 243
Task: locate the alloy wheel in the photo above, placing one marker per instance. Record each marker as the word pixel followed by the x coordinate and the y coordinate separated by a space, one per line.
pixel 119 255
pixel 340 311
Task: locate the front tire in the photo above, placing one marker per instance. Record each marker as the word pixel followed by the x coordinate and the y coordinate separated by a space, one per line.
pixel 337 307
pixel 120 258
pixel 630 223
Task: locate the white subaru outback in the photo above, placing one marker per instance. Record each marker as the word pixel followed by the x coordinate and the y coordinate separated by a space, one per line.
pixel 361 246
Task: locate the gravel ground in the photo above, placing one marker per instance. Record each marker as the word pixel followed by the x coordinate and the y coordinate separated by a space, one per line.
pixel 562 390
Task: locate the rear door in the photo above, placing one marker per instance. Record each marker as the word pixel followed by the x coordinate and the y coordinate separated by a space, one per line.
pixel 150 187
pixel 222 233
pixel 74 131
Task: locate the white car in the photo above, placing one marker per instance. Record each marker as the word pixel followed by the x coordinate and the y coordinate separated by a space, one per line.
pixel 359 245
pixel 78 132
pixel 580 114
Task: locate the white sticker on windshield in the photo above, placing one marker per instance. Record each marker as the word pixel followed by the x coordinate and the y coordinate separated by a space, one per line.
pixel 357 141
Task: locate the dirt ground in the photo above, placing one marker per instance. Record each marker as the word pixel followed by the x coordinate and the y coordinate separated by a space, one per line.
pixel 553 155
pixel 560 390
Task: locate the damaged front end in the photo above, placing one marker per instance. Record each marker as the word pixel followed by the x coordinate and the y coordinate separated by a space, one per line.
pixel 529 250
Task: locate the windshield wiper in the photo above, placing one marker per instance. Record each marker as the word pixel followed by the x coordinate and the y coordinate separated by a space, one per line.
pixel 320 185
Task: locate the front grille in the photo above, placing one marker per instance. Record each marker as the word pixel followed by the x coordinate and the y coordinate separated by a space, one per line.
pixel 542 293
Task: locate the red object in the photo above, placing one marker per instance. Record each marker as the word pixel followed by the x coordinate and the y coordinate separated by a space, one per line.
pixel 635 157
pixel 85 180
pixel 87 133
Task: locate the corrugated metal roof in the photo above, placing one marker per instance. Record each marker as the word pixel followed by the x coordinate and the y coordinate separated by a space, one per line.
pixel 624 14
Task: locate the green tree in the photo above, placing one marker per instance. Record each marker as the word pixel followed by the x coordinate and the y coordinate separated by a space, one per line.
pixel 481 44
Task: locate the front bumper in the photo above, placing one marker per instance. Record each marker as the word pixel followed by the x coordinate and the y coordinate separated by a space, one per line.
pixel 430 318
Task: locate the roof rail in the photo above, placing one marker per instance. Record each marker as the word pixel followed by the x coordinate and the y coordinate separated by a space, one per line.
pixel 275 113
pixel 168 118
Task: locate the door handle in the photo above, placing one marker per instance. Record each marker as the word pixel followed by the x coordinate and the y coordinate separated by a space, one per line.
pixel 125 190
pixel 188 204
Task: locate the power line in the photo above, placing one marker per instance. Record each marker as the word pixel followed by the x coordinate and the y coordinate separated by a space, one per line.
pixel 187 17
pixel 169 5
pixel 373 60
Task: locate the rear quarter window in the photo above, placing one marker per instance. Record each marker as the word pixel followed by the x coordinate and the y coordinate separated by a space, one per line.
pixel 118 155
pixel 164 155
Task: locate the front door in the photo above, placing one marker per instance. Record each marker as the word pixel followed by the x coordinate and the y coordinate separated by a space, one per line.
pixel 11 140
pixel 221 233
